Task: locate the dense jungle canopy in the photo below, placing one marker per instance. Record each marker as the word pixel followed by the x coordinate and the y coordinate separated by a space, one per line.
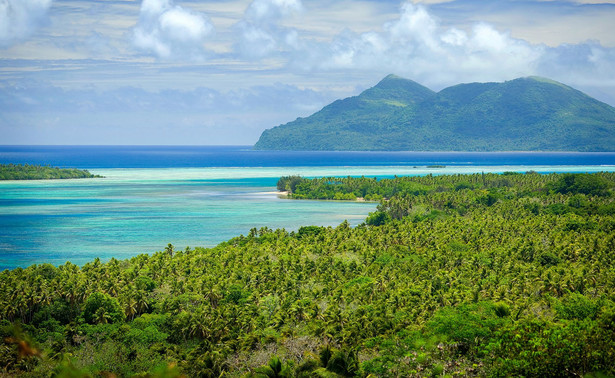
pixel 460 275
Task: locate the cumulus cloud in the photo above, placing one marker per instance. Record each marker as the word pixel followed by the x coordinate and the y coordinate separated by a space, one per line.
pixel 170 31
pixel 417 46
pixel 588 66
pixel 260 31
pixel 20 18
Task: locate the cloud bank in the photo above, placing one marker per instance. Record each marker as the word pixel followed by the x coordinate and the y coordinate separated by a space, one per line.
pixel 38 113
pixel 169 31
pixel 260 32
pixel 415 45
pixel 20 18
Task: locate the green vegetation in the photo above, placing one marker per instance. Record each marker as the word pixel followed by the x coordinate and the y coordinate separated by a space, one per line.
pixel 350 188
pixel 38 172
pixel 461 275
pixel 527 114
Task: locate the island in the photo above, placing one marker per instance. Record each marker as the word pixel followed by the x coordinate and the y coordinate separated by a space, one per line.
pixel 453 275
pixel 41 172
pixel 525 114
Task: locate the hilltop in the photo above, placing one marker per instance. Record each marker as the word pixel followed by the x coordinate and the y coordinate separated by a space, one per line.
pixel 525 114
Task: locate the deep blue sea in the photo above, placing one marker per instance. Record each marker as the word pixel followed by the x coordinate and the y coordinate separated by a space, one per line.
pixel 243 156
pixel 201 196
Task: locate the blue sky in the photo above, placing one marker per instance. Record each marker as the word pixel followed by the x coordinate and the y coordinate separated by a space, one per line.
pixel 220 72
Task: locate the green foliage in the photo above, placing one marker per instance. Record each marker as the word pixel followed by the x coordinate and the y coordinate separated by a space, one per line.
pixel 38 172
pixel 448 283
pixel 344 363
pixel 468 325
pixel 289 183
pixel 490 198
pixel 581 183
pixel 354 123
pixel 206 364
pixel 145 283
pixel 100 308
pixel 274 369
pixel 526 114
pixel 147 336
pixel 351 188
pixel 536 347
pixel 548 259
pixel 306 231
pixel 577 306
pixel 377 218
pixel 501 310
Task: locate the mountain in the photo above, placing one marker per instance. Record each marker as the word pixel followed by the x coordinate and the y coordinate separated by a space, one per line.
pixel 526 114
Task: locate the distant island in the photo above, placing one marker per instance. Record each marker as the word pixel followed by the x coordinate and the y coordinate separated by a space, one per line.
pixel 525 114
pixel 40 172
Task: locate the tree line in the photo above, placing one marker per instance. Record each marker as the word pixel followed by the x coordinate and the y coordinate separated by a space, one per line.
pixel 41 172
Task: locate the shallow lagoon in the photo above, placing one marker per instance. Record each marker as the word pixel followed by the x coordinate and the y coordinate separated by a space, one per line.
pixel 141 210
pixel 134 211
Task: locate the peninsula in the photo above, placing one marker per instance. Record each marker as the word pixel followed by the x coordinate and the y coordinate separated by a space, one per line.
pixel 39 172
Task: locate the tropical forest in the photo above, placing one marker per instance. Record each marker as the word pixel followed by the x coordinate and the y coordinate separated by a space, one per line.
pixel 397 114
pixel 493 275
pixel 41 172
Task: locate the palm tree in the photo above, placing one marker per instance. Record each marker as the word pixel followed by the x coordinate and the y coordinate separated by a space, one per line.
pixel 102 316
pixel 273 369
pixel 130 308
pixel 142 304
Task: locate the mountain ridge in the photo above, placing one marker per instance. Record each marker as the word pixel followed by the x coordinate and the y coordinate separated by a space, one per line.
pixel 397 114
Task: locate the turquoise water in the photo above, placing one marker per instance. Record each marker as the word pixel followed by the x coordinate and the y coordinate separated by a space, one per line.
pixel 133 211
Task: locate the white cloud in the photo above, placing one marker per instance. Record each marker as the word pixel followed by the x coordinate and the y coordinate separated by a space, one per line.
pixel 268 10
pixel 260 31
pixel 170 31
pixel 415 45
pixel 20 18
pixel 585 65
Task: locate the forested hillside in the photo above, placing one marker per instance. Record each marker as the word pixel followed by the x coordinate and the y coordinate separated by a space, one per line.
pixel 525 114
pixel 463 275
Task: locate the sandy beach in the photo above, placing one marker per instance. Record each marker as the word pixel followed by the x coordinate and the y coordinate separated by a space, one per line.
pixel 284 193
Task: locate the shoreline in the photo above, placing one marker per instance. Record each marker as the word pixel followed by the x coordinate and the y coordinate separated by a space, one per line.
pixel 283 193
pixel 287 193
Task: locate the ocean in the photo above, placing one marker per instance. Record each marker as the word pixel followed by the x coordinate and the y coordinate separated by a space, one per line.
pixel 202 195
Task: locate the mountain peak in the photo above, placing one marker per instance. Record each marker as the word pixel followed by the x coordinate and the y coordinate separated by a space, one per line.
pixel 392 77
pixel 525 114
pixel 394 80
pixel 397 88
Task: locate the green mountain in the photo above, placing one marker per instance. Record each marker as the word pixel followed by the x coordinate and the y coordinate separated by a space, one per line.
pixel 526 114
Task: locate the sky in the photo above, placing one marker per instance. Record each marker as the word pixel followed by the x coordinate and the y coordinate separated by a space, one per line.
pixel 198 72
